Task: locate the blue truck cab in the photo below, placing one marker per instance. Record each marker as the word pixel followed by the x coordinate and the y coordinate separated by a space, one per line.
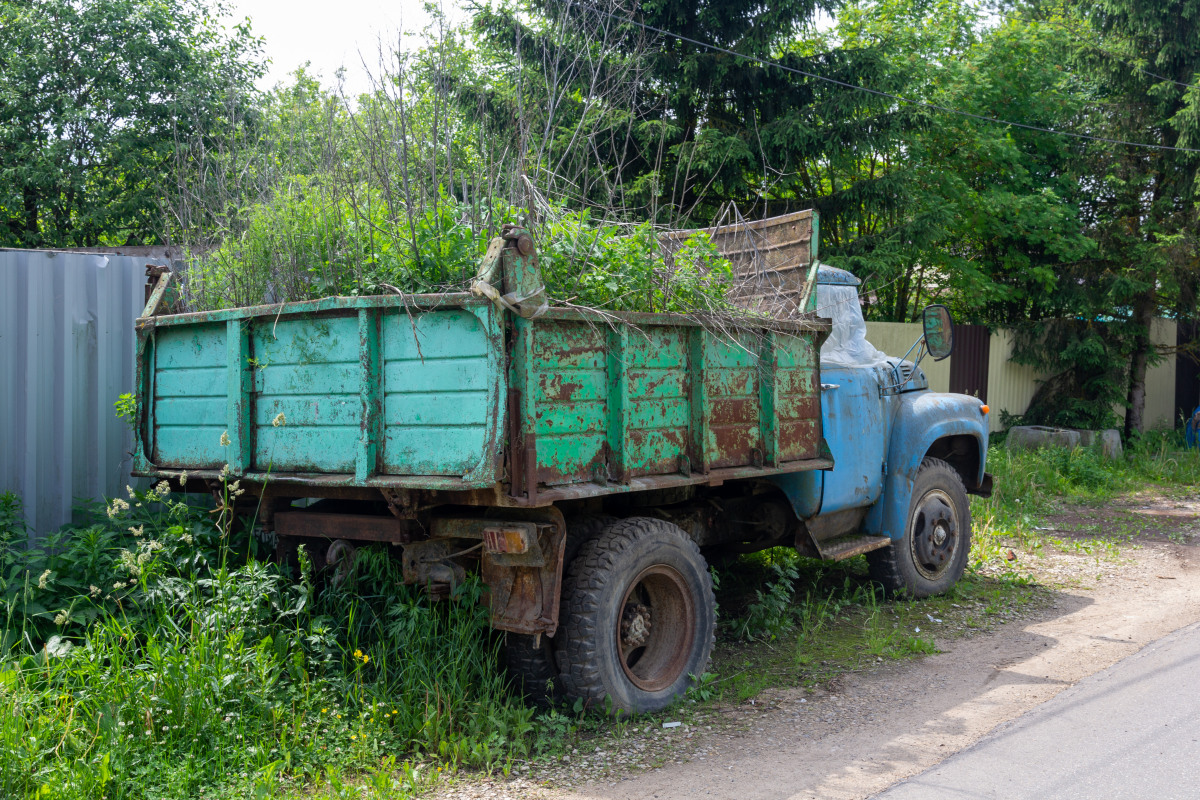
pixel 905 458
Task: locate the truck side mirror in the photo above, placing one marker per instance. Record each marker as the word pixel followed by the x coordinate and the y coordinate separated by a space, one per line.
pixel 939 331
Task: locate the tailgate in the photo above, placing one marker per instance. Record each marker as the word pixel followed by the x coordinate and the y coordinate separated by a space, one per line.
pixel 370 390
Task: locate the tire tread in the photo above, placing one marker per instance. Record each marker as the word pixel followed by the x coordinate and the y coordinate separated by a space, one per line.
pixel 582 592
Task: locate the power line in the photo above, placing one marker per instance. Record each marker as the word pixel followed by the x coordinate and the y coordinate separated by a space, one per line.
pixel 877 92
pixel 1128 60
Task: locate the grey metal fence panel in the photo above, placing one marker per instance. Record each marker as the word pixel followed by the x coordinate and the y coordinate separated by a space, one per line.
pixel 66 354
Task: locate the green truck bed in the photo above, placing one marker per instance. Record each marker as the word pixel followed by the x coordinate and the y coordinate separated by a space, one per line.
pixel 450 392
pixel 488 433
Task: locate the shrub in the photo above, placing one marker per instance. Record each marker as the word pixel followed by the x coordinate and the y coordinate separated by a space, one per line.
pixel 304 244
pixel 149 654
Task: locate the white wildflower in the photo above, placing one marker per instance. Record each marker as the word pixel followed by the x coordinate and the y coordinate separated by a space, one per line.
pixel 118 585
pixel 61 618
pixel 187 537
pixel 280 419
pixel 183 479
pixel 154 545
pixel 225 472
pixel 130 563
pixel 163 489
pixel 233 487
pixel 129 489
pixel 138 531
pixel 118 505
pixel 143 558
pixel 225 439
pixel 94 590
pixel 44 579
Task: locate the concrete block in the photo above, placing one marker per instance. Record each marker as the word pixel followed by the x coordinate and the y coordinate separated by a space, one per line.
pixel 1109 440
pixel 1032 437
pixel 1110 443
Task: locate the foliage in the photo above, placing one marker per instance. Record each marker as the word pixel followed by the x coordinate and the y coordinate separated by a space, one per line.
pixel 1087 363
pixel 771 613
pixel 307 244
pixel 626 269
pixel 149 654
pixel 94 98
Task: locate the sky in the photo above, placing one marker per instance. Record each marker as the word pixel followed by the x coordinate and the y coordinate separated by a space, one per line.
pixel 333 33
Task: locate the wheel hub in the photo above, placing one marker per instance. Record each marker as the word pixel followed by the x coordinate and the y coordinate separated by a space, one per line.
pixel 635 625
pixel 935 534
pixel 656 628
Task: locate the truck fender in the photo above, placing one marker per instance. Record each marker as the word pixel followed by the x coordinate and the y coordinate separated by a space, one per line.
pixel 928 424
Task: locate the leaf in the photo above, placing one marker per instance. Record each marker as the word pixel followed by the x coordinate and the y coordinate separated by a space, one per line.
pixel 57 646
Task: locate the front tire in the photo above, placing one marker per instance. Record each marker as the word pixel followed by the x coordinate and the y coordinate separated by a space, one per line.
pixel 932 555
pixel 638 617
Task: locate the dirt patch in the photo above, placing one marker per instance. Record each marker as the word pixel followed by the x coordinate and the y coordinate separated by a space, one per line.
pixel 1144 516
pixel 865 730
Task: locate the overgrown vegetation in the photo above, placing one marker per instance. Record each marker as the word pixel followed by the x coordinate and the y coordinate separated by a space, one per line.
pixel 150 652
pixel 306 244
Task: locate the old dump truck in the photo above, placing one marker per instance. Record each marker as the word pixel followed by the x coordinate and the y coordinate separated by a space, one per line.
pixel 581 463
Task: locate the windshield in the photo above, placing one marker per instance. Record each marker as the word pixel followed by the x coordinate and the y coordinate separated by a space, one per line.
pixel 847 343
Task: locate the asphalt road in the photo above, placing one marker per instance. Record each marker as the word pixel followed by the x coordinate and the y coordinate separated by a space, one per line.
pixel 1130 731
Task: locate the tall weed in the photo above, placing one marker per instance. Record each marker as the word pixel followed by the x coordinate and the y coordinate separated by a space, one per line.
pixel 148 654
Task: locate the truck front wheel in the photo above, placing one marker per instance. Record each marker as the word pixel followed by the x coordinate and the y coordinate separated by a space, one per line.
pixel 931 555
pixel 638 617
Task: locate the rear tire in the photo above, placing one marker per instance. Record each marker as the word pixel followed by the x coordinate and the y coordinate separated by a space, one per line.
pixel 932 555
pixel 638 617
pixel 529 660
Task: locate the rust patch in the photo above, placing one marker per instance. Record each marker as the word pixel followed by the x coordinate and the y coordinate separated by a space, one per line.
pixel 738 411
pixel 655 452
pixel 560 389
pixel 525 599
pixel 732 445
pixel 799 440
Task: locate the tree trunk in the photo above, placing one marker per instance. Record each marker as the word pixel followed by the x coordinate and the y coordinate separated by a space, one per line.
pixel 1143 315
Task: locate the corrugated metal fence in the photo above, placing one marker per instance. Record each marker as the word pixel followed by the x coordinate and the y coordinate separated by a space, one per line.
pixel 983 360
pixel 66 354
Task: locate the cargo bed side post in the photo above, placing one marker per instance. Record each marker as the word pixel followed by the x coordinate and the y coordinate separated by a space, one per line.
pixel 511 261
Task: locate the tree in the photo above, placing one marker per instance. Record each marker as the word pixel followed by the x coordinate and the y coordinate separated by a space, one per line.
pixel 1145 56
pixel 95 98
pixel 704 127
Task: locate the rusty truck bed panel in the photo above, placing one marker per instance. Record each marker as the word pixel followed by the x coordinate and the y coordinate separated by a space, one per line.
pixel 454 395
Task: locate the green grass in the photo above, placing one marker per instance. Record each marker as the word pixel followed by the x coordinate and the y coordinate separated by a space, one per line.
pixel 198 671
pixel 151 653
pixel 838 621
pixel 1030 486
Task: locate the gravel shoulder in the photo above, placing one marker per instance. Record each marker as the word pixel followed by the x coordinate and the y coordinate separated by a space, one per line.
pixel 866 730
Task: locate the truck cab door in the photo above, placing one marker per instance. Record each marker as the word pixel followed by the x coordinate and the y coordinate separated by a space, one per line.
pixel 853 414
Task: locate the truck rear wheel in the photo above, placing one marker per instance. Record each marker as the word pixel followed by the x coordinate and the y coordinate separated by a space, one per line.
pixel 638 617
pixel 530 659
pixel 931 556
